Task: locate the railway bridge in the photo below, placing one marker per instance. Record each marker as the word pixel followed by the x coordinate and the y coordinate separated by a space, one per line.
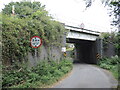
pixel 88 45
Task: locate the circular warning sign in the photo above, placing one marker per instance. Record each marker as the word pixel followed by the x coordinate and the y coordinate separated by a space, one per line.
pixel 36 41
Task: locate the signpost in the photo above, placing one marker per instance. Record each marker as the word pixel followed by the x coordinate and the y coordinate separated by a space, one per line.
pixel 35 42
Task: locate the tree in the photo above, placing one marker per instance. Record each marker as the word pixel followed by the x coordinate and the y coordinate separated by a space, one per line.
pixel 24 9
pixel 116 21
pixel 115 5
pixel 111 3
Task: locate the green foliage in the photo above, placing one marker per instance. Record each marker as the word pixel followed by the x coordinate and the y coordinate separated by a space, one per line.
pixel 115 5
pixel 106 40
pixel 110 64
pixel 30 19
pixel 115 72
pixel 45 73
pixel 15 42
pixel 117 45
pixel 24 9
pixel 110 61
pixel 113 38
pixel 14 76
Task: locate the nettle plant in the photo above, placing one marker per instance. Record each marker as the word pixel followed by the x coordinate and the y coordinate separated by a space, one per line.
pixel 30 19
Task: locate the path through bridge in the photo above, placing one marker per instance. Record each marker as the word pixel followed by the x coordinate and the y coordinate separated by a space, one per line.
pixel 88 76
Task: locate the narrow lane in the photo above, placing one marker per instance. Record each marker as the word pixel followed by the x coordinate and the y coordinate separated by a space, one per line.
pixel 87 76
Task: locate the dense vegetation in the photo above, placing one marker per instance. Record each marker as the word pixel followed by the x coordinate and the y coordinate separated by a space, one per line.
pixel 43 74
pixel 116 21
pixel 107 63
pixel 29 19
pixel 111 38
pixel 111 64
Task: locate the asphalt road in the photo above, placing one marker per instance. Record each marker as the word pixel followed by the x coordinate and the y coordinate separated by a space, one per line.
pixel 88 76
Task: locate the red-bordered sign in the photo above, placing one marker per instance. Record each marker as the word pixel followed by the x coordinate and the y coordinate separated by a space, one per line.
pixel 82 25
pixel 35 41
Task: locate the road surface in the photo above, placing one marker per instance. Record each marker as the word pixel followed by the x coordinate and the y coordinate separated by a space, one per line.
pixel 88 76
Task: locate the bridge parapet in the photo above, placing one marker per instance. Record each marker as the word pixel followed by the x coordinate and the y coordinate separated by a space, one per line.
pixel 72 28
pixel 80 33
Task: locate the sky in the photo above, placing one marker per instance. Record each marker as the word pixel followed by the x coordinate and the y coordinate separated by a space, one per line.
pixel 73 12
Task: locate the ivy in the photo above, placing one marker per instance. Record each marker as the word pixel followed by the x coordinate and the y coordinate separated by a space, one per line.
pixel 30 19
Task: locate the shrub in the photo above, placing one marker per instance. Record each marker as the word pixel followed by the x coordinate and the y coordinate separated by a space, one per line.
pixel 44 72
pixel 14 77
pixel 109 61
pixel 110 64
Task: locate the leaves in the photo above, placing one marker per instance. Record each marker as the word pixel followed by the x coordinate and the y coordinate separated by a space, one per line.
pixel 110 64
pixel 30 19
pixel 44 72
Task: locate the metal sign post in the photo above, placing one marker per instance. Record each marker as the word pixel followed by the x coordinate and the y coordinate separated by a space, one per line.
pixel 35 56
pixel 35 42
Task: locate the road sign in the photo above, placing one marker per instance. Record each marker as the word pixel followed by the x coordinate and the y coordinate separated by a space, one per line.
pixel 98 56
pixel 63 49
pixel 36 42
pixel 65 54
pixel 82 25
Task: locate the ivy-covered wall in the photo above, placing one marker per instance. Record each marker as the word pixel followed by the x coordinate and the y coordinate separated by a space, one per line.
pixel 30 19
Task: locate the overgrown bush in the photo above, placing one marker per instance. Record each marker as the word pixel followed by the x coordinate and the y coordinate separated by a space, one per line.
pixel 30 19
pixel 109 61
pixel 45 72
pixel 110 64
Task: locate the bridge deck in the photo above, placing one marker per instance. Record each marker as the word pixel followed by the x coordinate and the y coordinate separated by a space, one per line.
pixel 77 29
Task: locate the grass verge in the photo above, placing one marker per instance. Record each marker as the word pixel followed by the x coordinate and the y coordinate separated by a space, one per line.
pixel 42 76
pixel 110 64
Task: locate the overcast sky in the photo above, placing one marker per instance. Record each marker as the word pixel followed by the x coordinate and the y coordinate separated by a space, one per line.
pixel 72 12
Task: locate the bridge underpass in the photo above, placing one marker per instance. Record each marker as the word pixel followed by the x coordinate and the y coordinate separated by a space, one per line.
pixel 84 51
pixel 87 44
